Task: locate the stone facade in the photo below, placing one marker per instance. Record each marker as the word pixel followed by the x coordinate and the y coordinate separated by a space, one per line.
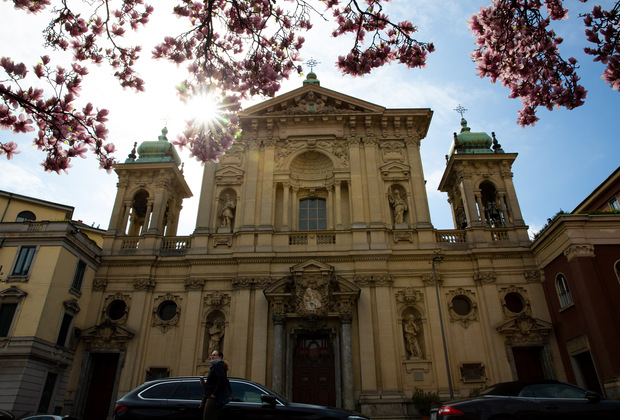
pixel 310 266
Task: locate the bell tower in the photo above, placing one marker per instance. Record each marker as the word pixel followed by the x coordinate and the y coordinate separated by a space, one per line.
pixel 478 181
pixel 150 191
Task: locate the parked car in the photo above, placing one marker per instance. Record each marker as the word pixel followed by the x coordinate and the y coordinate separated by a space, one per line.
pixel 5 415
pixel 531 400
pixel 179 399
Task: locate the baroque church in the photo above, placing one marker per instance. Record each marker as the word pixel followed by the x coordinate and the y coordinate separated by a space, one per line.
pixel 314 266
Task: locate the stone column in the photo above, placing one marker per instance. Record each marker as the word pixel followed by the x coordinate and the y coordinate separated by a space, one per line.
pixel 267 197
pixel 294 210
pixel 147 216
pixel 248 205
pixel 286 210
pixel 277 381
pixel 338 206
pixel 356 192
pixel 330 207
pixel 375 198
pixel 420 212
pixel 125 216
pixel 483 217
pixel 207 199
pixel 513 203
pixel 347 362
pixel 467 192
pixel 118 216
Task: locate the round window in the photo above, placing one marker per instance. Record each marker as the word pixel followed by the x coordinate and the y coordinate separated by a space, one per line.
pixel 116 310
pixel 461 305
pixel 514 302
pixel 167 310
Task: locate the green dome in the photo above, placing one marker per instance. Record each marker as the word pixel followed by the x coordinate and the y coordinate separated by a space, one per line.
pixel 156 151
pixel 468 142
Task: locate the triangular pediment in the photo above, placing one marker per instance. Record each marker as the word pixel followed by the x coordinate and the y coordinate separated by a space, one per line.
pixel 229 174
pixel 13 292
pixel 309 100
pixel 311 266
pixel 395 171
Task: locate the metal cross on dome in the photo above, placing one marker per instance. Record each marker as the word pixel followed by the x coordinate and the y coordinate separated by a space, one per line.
pixel 461 110
pixel 312 63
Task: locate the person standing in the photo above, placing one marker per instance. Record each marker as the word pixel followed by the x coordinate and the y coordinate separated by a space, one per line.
pixel 217 391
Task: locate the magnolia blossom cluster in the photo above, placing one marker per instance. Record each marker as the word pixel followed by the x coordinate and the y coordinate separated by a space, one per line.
pixel 62 131
pixel 603 30
pixel 388 41
pixel 517 47
pixel 239 48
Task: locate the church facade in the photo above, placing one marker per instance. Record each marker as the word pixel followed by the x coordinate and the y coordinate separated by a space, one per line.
pixel 315 268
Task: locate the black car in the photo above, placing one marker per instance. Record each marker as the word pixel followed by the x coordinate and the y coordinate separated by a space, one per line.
pixel 531 400
pixel 179 399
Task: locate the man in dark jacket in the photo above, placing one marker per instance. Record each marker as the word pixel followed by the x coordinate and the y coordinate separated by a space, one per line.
pixel 217 391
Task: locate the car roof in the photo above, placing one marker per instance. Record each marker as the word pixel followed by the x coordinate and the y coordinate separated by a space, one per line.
pixel 514 387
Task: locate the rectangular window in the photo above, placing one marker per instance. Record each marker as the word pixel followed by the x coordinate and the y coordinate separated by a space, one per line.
pixel 312 214
pixel 24 260
pixel 78 275
pixel 7 312
pixel 48 392
pixel 613 204
pixel 64 329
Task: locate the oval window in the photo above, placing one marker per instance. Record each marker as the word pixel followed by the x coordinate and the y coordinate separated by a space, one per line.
pixel 116 309
pixel 167 310
pixel 514 302
pixel 461 305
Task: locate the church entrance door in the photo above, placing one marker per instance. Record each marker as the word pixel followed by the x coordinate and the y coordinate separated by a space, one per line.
pixel 314 370
pixel 101 385
pixel 528 361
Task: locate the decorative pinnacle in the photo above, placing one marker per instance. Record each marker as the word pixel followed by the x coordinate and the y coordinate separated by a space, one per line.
pixel 312 63
pixel 461 110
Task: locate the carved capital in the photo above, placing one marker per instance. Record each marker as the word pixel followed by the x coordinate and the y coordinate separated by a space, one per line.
pixel 487 277
pixel 259 282
pixel 144 284
pixel 374 280
pixel 194 284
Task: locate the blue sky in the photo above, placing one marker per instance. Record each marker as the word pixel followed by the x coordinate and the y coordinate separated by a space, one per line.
pixel 561 159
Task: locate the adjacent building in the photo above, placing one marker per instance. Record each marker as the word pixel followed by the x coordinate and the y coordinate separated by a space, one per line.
pixel 579 253
pixel 47 266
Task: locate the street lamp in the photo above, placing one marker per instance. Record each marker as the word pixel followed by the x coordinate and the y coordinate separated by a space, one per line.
pixel 438 259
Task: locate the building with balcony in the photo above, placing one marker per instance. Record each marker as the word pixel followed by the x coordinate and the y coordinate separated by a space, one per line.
pixel 47 266
pixel 579 253
pixel 314 265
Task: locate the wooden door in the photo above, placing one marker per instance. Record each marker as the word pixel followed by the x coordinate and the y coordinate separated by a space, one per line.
pixel 101 386
pixel 528 362
pixel 314 371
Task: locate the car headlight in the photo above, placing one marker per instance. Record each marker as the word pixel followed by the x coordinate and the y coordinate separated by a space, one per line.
pixel 358 418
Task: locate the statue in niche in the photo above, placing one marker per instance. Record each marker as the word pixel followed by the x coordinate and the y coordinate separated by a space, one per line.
pixel 216 332
pixel 398 204
pixel 411 332
pixel 227 213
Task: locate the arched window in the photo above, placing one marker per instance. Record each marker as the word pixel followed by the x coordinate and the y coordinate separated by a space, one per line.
pixel 25 216
pixel 617 269
pixel 563 291
pixel 312 214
